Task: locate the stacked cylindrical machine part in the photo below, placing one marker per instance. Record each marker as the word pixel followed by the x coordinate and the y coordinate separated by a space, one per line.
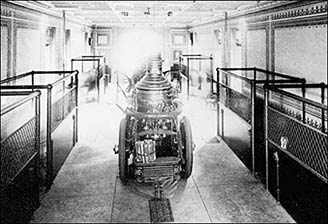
pixel 145 151
pixel 154 93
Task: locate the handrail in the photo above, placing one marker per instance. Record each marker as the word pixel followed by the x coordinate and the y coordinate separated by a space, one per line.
pixel 76 72
pixel 92 56
pixel 15 77
pixel 237 76
pixel 43 86
pixel 277 74
pixel 14 105
pixel 190 55
pixel 296 97
pixel 262 70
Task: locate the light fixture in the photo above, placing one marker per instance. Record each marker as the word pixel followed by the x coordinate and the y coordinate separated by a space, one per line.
pixel 125 13
pixel 218 35
pixel 238 37
pixel 147 12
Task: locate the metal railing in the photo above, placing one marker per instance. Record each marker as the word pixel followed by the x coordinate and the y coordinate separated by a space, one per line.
pixel 20 155
pixel 294 133
pixel 189 58
pixel 101 76
pixel 61 98
pixel 246 100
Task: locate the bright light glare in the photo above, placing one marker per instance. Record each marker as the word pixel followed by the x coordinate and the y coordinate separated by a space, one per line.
pixel 134 47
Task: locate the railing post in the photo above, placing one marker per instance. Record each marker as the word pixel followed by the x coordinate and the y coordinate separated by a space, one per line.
pixel 218 100
pixel 303 104
pixel 49 141
pixel 322 110
pixel 211 71
pixel 266 138
pixel 222 123
pixel 187 70
pixel 276 157
pixel 76 105
pixel 74 129
pixel 179 74
pixel 253 95
pixel 32 76
pixel 98 77
pixel 37 146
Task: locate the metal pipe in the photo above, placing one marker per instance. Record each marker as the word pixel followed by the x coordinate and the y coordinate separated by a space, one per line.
pixel 14 105
pixel 98 77
pixel 76 105
pixel 222 122
pixel 266 104
pixel 278 81
pixel 235 75
pixel 303 105
pixel 52 72
pixel 296 97
pixel 253 124
pixel 278 74
pixel 322 111
pixel 32 76
pixel 49 141
pixel 15 78
pixel 218 99
pixel 187 70
pixel 190 55
pixel 74 128
pixel 235 69
pixel 37 144
pixel 211 71
pixel 276 157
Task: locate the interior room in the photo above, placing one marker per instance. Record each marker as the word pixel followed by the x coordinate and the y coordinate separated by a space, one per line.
pixel 164 111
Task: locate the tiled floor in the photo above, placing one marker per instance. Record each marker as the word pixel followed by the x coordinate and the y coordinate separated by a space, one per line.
pixel 87 188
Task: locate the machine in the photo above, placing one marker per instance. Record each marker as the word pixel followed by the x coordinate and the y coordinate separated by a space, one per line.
pixel 155 140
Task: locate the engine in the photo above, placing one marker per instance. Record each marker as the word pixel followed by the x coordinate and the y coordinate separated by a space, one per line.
pixel 151 131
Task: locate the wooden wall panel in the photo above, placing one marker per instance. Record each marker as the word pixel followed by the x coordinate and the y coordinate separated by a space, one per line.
pixel 302 51
pixel 4 51
pixel 28 50
pixel 256 48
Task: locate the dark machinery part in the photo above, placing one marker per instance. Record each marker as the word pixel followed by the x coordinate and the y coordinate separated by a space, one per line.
pixel 160 144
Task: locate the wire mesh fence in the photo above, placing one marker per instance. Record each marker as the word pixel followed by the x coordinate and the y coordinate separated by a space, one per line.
pixel 20 156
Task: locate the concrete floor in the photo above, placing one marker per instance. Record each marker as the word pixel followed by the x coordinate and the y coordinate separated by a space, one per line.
pixel 220 189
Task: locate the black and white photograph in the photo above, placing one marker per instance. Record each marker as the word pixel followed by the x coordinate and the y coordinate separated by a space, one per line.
pixel 164 112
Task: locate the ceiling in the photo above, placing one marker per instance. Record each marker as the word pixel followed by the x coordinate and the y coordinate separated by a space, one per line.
pixel 149 13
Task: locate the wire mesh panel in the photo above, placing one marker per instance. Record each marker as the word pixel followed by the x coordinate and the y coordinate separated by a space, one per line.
pixel 305 144
pixel 20 159
pixel 59 98
pixel 16 150
pixel 61 108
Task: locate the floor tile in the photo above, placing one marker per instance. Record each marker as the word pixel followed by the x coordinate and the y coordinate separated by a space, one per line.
pixel 89 209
